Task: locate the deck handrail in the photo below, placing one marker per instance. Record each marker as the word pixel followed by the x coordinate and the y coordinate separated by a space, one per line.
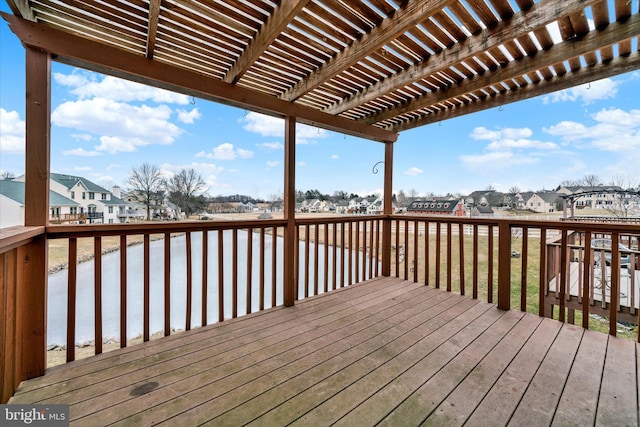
pixel 353 251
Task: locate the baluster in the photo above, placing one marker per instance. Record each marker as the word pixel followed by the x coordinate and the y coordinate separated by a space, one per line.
pixel 97 295
pixel 71 299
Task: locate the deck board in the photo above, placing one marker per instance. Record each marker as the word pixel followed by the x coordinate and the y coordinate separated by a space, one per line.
pixel 385 351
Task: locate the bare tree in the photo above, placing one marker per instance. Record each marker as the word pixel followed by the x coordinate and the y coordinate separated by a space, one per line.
pixel 624 203
pixel 185 190
pixel 6 175
pixel 413 194
pixel 590 180
pixel 146 186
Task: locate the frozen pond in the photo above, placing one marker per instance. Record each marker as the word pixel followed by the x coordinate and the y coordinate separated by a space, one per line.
pixel 57 290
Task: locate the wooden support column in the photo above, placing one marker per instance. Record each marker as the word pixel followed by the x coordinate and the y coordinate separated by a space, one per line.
pixel 32 294
pixel 38 116
pixel 387 208
pixel 289 210
pixel 504 266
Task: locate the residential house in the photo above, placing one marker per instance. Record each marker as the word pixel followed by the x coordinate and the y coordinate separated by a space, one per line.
pixel 437 206
pixel 482 211
pixel 594 197
pixel 12 205
pixel 544 202
pixel 98 204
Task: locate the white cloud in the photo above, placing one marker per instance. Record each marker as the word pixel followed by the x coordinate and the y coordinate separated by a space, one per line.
pixel 201 168
pixel 188 117
pixel 81 168
pixel 114 144
pixel 272 163
pixel 521 143
pixel 271 145
pixel 413 171
pixel 334 157
pixel 496 160
pixel 81 152
pixel 86 84
pixel 122 127
pixel 481 133
pixel 81 137
pixel 12 132
pixel 586 93
pixel 614 130
pixel 226 151
pixel 272 126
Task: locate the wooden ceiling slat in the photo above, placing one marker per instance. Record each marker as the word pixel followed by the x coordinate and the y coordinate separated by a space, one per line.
pixel 541 62
pixel 391 64
pixel 489 38
pixel 152 30
pixel 623 9
pixel 291 39
pixel 420 34
pixel 181 14
pixel 436 32
pixel 584 75
pixel 504 9
pixel 198 31
pixel 600 12
pixel 413 46
pixel 484 13
pixel 463 15
pixel 328 45
pixel 527 44
pixel 90 22
pixel 513 50
pixel 325 32
pixel 364 10
pixel 450 26
pixel 404 18
pixel 276 23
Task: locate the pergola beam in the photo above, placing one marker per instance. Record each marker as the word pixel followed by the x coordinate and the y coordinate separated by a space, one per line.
pixel 409 16
pixel 519 25
pixel 88 54
pixel 277 22
pixel 152 30
pixel 569 49
pixel 617 66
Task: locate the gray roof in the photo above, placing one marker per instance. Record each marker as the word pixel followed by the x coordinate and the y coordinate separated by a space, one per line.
pixel 70 181
pixel 14 190
pixel 114 201
pixel 549 197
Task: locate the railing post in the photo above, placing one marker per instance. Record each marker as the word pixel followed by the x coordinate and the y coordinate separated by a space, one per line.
pixel 289 210
pixel 387 208
pixel 504 265
pixel 32 308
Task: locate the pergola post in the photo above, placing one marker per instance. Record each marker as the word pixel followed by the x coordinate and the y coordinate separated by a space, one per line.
pixel 387 208
pixel 32 296
pixel 289 210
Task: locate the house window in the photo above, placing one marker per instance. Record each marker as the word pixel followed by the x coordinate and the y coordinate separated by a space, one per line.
pixel 104 196
pixel 110 220
pixel 73 194
pixel 92 196
pixel 83 195
pixel 111 209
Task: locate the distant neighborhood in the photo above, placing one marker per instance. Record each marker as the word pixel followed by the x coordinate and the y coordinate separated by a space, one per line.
pixel 78 200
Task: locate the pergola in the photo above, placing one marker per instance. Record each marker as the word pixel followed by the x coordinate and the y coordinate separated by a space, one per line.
pixel 368 68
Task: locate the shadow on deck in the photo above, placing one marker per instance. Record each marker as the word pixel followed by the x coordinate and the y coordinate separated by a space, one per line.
pixel 386 350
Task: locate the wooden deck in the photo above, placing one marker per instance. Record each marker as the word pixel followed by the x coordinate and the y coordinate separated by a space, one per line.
pixel 385 351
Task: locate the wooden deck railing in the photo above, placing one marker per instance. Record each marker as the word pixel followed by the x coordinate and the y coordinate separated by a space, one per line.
pixel 534 266
pixel 228 269
pixel 22 306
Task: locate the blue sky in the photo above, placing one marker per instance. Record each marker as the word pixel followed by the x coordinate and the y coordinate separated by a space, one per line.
pixel 102 127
